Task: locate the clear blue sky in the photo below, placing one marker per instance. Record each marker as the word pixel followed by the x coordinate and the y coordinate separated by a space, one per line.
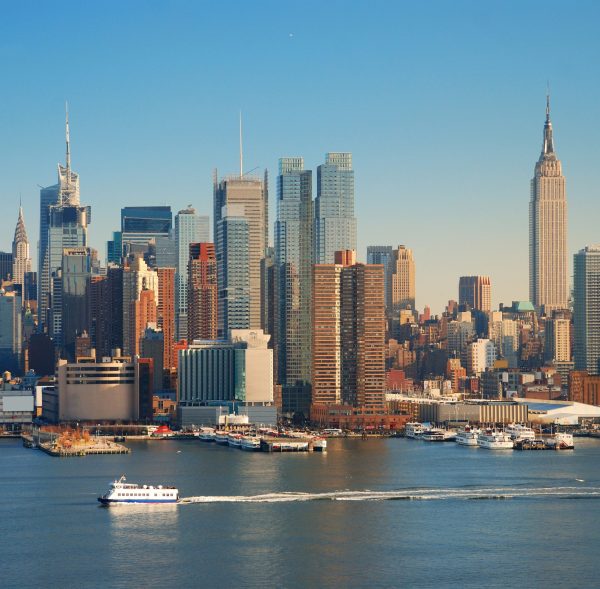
pixel 441 103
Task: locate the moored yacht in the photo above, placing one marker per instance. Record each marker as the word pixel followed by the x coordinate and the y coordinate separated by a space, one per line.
pixel 561 441
pixel 250 443
pixel 319 444
pixel 234 440
pixel 438 435
pixel 493 439
pixel 207 434
pixel 468 436
pixel 414 430
pixel 221 437
pixel 518 432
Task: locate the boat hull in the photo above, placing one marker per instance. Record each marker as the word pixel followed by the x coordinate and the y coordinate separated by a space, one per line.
pixel 467 442
pixel 109 502
pixel 497 445
pixel 251 448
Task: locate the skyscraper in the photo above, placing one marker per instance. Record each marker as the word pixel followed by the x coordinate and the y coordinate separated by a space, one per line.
pixel 476 292
pixel 382 254
pixel 233 270
pixel 548 288
pixel 76 276
pixel 165 314
pixel 348 334
pixel 557 331
pixel 11 336
pixel 6 265
pixel 335 223
pixel 63 224
pixel 202 287
pixel 114 249
pixel 293 268
pixel 136 277
pixel 251 194
pixel 20 251
pixel 402 280
pixel 142 225
pixel 587 309
pixel 142 315
pixel 189 228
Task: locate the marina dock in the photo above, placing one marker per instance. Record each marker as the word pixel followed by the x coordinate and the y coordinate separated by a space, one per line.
pixel 70 444
pixel 104 448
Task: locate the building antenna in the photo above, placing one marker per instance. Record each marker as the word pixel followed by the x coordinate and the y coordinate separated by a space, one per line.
pixel 241 148
pixel 67 138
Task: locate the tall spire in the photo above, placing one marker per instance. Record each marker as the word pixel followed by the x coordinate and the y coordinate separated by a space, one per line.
pixel 68 162
pixel 20 233
pixel 241 148
pixel 20 250
pixel 548 147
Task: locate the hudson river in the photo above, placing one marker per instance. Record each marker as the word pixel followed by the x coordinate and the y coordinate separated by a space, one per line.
pixel 376 513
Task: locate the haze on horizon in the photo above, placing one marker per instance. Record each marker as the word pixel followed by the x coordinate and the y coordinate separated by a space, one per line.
pixel 441 105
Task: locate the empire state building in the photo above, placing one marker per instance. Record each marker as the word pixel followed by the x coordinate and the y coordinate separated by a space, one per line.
pixel 548 289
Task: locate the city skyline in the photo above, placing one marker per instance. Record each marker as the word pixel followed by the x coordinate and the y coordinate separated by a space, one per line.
pixel 421 115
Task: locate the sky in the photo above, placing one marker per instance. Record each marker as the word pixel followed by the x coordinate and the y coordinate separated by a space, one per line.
pixel 441 103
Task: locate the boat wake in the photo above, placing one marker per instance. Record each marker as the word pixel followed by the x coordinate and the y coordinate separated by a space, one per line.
pixel 497 493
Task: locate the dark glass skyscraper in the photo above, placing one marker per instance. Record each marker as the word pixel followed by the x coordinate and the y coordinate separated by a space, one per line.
pixel 76 275
pixel 140 225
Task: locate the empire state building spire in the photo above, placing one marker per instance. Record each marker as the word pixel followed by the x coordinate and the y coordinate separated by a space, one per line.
pixel 548 287
pixel 548 147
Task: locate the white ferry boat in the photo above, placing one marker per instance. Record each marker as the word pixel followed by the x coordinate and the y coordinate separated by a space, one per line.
pixel 493 439
pixel 518 431
pixel 207 434
pixel 561 441
pixel 121 492
pixel 221 437
pixel 467 436
pixel 320 445
pixel 234 440
pixel 250 443
pixel 414 430
pixel 438 435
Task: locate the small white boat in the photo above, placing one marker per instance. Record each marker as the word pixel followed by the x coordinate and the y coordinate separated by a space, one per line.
pixel 493 439
pixel 319 445
pixel 221 437
pixel 561 441
pixel 121 492
pixel 519 432
pixel 467 436
pixel 438 435
pixel 414 430
pixel 207 434
pixel 250 443
pixel 234 440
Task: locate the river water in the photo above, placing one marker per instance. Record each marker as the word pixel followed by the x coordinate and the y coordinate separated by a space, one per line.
pixel 374 513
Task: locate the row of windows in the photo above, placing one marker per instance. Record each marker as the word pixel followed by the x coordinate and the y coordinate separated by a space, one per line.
pixel 105 381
